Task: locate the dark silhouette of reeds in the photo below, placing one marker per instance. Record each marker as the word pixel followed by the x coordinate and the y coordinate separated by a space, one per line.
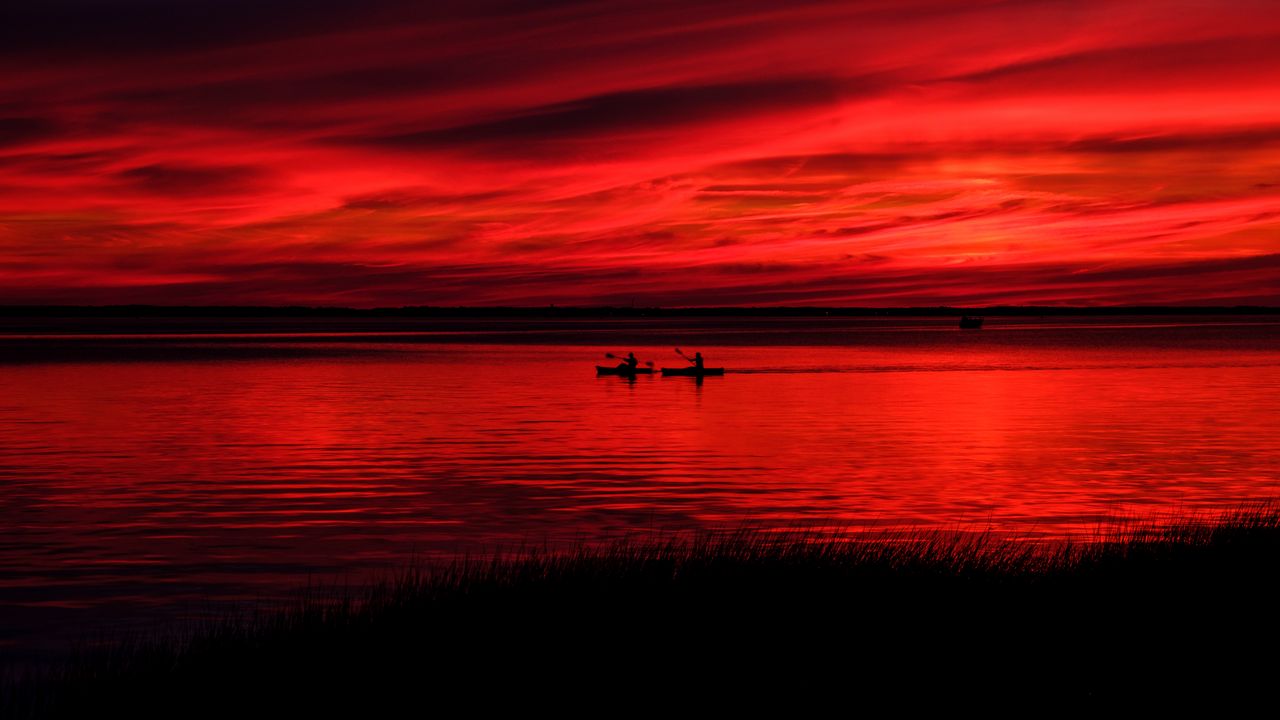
pixel 1152 613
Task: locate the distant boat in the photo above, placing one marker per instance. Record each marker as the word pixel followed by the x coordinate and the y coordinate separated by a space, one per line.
pixel 602 370
pixel 970 323
pixel 692 371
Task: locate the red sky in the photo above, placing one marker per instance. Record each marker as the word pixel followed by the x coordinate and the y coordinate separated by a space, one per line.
pixel 388 152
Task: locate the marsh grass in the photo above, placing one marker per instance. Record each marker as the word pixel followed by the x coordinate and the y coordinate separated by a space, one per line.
pixel 1168 610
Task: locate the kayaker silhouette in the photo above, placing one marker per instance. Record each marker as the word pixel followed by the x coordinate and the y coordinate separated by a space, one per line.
pixel 695 361
pixel 630 363
pixel 697 367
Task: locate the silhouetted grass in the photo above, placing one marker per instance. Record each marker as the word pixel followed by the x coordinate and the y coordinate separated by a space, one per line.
pixel 1155 613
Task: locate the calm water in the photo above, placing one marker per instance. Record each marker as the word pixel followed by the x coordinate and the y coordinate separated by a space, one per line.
pixel 142 475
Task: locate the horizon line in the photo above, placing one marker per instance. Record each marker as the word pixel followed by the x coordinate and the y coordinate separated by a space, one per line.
pixel 9 309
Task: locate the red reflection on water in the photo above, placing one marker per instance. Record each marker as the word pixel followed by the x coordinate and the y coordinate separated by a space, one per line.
pixel 159 482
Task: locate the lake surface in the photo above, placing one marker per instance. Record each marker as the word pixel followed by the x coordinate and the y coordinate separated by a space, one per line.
pixel 145 474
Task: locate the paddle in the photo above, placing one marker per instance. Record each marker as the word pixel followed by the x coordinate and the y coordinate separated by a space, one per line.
pixel 686 357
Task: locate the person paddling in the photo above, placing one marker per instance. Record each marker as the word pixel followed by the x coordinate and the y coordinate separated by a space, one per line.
pixel 628 366
pixel 696 360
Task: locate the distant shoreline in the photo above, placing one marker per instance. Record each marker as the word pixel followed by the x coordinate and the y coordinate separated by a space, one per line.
pixel 35 329
pixel 553 311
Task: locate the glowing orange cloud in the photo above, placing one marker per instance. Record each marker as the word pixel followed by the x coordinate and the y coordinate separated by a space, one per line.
pixel 864 153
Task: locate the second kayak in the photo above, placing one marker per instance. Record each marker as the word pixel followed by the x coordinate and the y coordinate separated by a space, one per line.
pixel 692 371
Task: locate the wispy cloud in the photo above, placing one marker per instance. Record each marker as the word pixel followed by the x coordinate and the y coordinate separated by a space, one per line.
pixel 394 152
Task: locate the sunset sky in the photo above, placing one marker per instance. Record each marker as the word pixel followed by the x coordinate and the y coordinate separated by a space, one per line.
pixel 397 152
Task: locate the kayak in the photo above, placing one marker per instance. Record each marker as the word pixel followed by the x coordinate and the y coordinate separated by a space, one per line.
pixel 602 370
pixel 692 371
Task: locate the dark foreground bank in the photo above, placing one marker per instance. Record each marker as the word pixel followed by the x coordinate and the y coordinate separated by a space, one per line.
pixel 1152 616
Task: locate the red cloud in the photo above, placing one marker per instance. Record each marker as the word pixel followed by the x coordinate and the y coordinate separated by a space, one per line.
pixel 864 153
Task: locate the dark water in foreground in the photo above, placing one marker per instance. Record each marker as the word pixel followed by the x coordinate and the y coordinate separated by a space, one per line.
pixel 145 475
